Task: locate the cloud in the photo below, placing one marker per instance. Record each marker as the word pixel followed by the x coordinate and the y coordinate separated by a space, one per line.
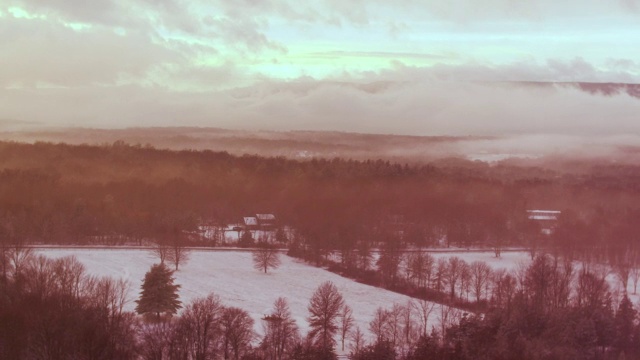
pixel 198 78
pixel 108 12
pixel 185 15
pixel 448 108
pixel 242 31
pixel 195 19
pixel 39 52
pixel 429 107
pixel 338 54
pixel 551 70
pixel 210 63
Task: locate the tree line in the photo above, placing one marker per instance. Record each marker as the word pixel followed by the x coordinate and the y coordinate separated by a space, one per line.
pixel 550 309
pixel 116 194
pixel 52 309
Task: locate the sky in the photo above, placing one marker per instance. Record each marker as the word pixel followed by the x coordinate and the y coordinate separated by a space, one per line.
pixel 419 67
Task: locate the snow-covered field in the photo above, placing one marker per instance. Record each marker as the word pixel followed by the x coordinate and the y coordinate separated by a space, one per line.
pixel 230 275
pixel 507 260
pixel 513 260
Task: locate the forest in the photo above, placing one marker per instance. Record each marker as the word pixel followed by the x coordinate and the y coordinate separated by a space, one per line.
pixel 338 212
pixel 121 193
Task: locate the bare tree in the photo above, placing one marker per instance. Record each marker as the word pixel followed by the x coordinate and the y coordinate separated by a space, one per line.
pixel 413 267
pixel 591 287
pixel 346 323
pixel 324 309
pixel 200 327
pixel 538 281
pixel 217 236
pixel 424 309
pixel 19 257
pixel 155 340
pixel 280 331
pixel 266 257
pixel 497 245
pixel 561 286
pixel 237 332
pixel 5 260
pixel 428 268
pixel 453 273
pixel 357 341
pixel 621 265
pixel 394 324
pixel 69 274
pixel 439 277
pixel 161 251
pixel 504 287
pixel 480 275
pixel 622 272
pixel 635 277
pixel 108 293
pixel 378 326
pixel 419 267
pixel 447 315
pixel 465 281
pixel 171 241
pixel 389 262
pixel 178 252
pixel 364 255
pixel 409 327
pixel 634 257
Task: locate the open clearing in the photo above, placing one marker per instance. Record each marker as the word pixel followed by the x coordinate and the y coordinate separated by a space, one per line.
pixel 230 275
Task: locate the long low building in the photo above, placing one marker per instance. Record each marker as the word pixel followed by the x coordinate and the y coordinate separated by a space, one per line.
pixel 546 218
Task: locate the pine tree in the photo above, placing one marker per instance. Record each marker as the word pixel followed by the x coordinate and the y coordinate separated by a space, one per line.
pixel 159 294
pixel 246 240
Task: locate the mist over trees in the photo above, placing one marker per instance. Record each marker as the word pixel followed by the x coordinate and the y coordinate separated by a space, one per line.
pixel 56 193
pixel 116 194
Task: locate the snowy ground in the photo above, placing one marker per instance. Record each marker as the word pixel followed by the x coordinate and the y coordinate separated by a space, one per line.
pixel 231 276
pixel 513 260
pixel 507 260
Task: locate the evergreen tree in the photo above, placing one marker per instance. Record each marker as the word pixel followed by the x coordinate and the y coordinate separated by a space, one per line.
pixel 246 240
pixel 159 294
pixel 281 236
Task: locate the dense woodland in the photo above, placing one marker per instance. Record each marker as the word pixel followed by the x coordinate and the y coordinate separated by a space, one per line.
pixel 67 194
pixel 337 212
